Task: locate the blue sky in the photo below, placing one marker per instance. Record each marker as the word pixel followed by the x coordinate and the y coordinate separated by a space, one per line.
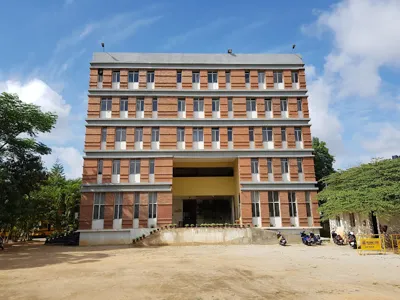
pixel 350 48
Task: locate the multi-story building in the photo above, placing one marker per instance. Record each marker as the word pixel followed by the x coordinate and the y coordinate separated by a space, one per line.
pixel 196 138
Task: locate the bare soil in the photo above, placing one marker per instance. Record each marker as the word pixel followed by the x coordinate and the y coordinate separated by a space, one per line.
pixel 34 271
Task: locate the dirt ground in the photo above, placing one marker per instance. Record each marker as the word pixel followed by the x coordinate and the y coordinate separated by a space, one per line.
pixel 197 272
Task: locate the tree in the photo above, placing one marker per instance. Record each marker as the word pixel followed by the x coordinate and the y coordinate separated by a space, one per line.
pixel 369 187
pixel 323 161
pixel 18 120
pixel 21 167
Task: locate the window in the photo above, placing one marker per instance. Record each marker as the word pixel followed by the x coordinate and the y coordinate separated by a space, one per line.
pixel 230 104
pixel 180 134
pixel 273 203
pixel 100 167
pixel 284 166
pixel 138 134
pixel 120 134
pixel 228 77
pixel 254 166
pixel 338 221
pixel 278 77
pixel 118 206
pixel 212 77
pixel 299 105
pixel 283 105
pixel 155 134
pixel 215 104
pixel 283 134
pixel 123 105
pixel 269 165
pixel 104 134
pixel 179 77
pixel 251 134
pixel 100 75
pixel 152 205
pixel 251 105
pixel 136 205
pixel 295 77
pixel 267 134
pixel 261 77
pixel 181 105
pixel 292 204
pixel 268 105
pixel 247 77
pixel 197 134
pixel 134 166
pixel 133 76
pixel 106 104
pixel 255 204
pixel 230 134
pixel 300 165
pixel 116 167
pixel 115 76
pixel 215 134
pixel 154 104
pixel 308 204
pixel 352 220
pixel 150 76
pixel 195 77
pixel 198 105
pixel 98 207
pixel 151 166
pixel 140 104
pixel 297 134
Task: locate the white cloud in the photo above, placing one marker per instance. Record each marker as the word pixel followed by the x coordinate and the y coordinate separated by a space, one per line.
pixel 39 93
pixel 69 157
pixel 365 39
pixel 385 140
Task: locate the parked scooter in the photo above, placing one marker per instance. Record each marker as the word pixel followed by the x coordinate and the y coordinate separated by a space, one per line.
pixel 305 238
pixel 337 239
pixel 281 239
pixel 352 239
pixel 316 239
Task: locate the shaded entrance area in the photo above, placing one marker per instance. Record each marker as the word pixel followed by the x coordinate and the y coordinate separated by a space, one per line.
pixel 206 210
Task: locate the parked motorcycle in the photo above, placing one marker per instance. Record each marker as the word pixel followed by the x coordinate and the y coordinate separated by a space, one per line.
pixel 337 239
pixel 316 239
pixel 352 239
pixel 305 238
pixel 281 239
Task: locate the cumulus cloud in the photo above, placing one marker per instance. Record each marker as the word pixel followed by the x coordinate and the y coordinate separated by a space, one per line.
pixel 69 157
pixel 365 39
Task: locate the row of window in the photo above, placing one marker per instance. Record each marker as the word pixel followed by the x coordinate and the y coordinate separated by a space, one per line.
pixel 134 166
pixel 274 204
pixel 198 105
pixel 99 204
pixel 212 77
pixel 198 134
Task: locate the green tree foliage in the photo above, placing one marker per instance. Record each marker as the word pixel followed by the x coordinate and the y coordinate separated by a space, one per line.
pixel 323 161
pixel 20 123
pixel 369 187
pixel 63 198
pixel 21 168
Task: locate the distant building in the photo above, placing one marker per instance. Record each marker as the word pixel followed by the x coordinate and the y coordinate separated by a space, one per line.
pixel 196 138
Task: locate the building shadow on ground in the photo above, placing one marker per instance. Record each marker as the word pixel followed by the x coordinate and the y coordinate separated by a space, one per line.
pixel 34 255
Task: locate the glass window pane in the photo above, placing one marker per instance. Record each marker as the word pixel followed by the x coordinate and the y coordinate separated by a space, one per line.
pixel 299 105
pixel 230 105
pixel 247 77
pixel 261 77
pixel 179 77
pixel 283 134
pixel 230 135
pixel 155 102
pixel 268 105
pixel 136 76
pixel 269 165
pixel 151 166
pixel 228 77
pixel 251 134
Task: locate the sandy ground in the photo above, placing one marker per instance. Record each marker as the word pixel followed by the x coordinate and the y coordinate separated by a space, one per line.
pixel 197 272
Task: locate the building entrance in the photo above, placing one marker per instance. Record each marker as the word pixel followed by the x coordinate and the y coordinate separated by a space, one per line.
pixel 207 210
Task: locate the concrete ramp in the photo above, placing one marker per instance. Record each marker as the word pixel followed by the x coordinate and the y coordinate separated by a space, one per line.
pixel 210 236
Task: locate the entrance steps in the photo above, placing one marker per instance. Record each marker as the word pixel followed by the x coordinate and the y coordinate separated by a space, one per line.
pixel 208 236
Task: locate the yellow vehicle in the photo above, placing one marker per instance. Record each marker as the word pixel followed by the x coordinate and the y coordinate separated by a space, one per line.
pixel 44 230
